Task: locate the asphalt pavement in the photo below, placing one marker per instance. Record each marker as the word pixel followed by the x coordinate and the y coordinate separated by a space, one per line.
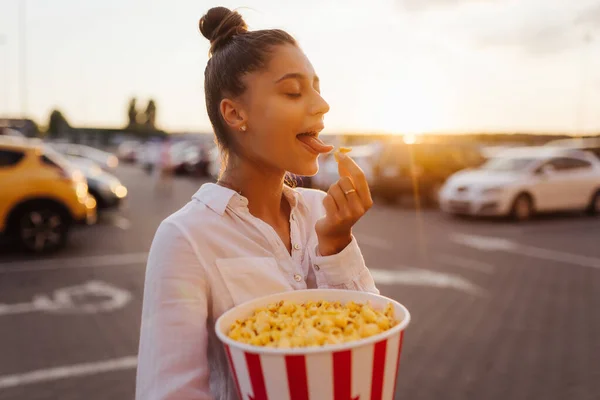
pixel 500 310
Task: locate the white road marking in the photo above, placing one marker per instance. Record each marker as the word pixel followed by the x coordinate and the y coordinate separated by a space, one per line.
pixel 421 277
pixel 70 371
pixel 75 262
pixel 461 262
pixel 487 243
pixel 89 298
pixel 374 241
pixel 121 222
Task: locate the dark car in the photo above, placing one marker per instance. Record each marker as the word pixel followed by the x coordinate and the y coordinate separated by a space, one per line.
pixel 420 169
pixel 106 188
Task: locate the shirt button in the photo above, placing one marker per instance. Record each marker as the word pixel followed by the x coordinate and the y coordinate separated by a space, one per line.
pixel 297 246
pixel 317 268
pixel 297 278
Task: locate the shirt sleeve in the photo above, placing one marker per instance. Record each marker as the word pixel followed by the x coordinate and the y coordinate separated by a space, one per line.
pixel 344 270
pixel 172 360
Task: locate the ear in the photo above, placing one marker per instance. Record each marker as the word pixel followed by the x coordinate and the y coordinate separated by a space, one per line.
pixel 233 114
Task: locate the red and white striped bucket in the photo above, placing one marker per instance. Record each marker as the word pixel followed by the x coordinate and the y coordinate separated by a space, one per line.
pixel 362 370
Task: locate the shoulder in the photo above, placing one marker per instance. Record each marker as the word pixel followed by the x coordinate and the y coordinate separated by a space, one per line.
pixel 193 219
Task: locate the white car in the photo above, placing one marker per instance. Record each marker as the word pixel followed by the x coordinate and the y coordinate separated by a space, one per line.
pixel 107 161
pixel 526 181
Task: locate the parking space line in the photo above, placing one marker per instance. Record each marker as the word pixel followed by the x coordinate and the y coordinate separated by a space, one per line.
pixel 70 371
pixel 74 262
pixel 461 262
pixel 121 223
pixel 421 277
pixel 489 243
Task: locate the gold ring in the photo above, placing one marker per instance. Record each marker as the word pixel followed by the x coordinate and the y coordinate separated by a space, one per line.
pixel 347 192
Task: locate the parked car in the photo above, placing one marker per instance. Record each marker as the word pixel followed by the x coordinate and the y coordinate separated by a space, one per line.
pixel 149 155
pixel 106 188
pixel 128 151
pixel 585 144
pixel 420 169
pixel 105 159
pixel 42 195
pixel 10 132
pixel 523 182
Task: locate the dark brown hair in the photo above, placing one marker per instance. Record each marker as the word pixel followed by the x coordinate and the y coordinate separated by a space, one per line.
pixel 234 52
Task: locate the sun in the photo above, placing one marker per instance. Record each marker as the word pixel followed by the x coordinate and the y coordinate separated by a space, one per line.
pixel 412 107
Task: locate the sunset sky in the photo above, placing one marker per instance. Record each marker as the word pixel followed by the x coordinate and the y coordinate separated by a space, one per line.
pixel 393 66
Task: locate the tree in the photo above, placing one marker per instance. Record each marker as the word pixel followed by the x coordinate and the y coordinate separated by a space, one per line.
pixel 57 124
pixel 132 113
pixel 150 115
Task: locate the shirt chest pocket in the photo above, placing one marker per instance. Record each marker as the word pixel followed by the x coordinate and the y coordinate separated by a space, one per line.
pixel 247 278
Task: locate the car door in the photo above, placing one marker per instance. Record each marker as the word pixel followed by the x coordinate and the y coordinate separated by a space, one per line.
pixel 9 178
pixel 583 181
pixel 561 184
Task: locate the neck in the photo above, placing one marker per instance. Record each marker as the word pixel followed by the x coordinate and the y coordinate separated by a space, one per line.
pixel 263 188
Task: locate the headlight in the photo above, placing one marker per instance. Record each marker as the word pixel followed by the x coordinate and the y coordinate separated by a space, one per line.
pixel 81 188
pixel 119 190
pixel 112 162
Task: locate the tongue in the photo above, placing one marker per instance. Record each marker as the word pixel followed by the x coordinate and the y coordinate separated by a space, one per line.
pixel 316 144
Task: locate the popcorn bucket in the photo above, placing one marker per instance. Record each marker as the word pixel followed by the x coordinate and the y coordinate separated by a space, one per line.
pixel 365 369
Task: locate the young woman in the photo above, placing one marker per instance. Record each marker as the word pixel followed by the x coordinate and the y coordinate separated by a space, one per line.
pixel 249 234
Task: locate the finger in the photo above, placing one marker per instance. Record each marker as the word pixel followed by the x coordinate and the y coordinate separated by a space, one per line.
pixel 347 167
pixel 343 210
pixel 351 194
pixel 330 206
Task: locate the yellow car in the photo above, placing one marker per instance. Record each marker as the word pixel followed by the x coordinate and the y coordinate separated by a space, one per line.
pixel 41 195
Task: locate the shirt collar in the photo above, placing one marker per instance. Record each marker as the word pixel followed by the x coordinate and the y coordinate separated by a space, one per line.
pixel 217 197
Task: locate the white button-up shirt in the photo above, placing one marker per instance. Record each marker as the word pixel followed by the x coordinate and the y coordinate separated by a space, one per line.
pixel 210 256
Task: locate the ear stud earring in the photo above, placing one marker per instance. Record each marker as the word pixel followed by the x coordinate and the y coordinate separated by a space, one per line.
pixel 243 128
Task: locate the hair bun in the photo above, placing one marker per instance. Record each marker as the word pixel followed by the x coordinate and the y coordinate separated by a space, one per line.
pixel 220 24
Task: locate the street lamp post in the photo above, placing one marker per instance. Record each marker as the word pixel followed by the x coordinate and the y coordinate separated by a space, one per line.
pixel 23 56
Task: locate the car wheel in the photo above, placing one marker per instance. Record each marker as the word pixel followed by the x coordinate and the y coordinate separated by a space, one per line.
pixel 522 208
pixel 42 228
pixel 594 208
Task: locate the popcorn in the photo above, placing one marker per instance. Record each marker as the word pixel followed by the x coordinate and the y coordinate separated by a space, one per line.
pixel 290 325
pixel 341 150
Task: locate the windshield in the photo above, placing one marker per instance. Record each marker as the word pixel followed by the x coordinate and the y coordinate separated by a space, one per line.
pixel 508 164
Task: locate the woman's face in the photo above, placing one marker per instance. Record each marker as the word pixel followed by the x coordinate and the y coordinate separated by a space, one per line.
pixel 281 102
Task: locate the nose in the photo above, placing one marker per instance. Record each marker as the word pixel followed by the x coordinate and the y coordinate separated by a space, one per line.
pixel 319 106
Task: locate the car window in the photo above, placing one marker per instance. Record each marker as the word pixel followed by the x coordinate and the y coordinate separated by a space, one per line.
pixel 508 164
pixel 10 158
pixel 594 150
pixel 569 164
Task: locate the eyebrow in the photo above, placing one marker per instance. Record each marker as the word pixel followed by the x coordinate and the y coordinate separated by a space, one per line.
pixel 296 75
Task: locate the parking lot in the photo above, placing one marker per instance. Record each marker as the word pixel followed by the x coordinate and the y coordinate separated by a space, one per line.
pixel 500 310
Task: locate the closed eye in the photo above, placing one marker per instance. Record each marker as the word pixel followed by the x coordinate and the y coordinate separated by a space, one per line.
pixel 293 95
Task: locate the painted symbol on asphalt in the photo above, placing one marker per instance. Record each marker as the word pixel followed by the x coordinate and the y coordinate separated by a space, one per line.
pixel 89 298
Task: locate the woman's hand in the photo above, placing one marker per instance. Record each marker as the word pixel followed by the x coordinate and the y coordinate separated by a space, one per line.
pixel 346 202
